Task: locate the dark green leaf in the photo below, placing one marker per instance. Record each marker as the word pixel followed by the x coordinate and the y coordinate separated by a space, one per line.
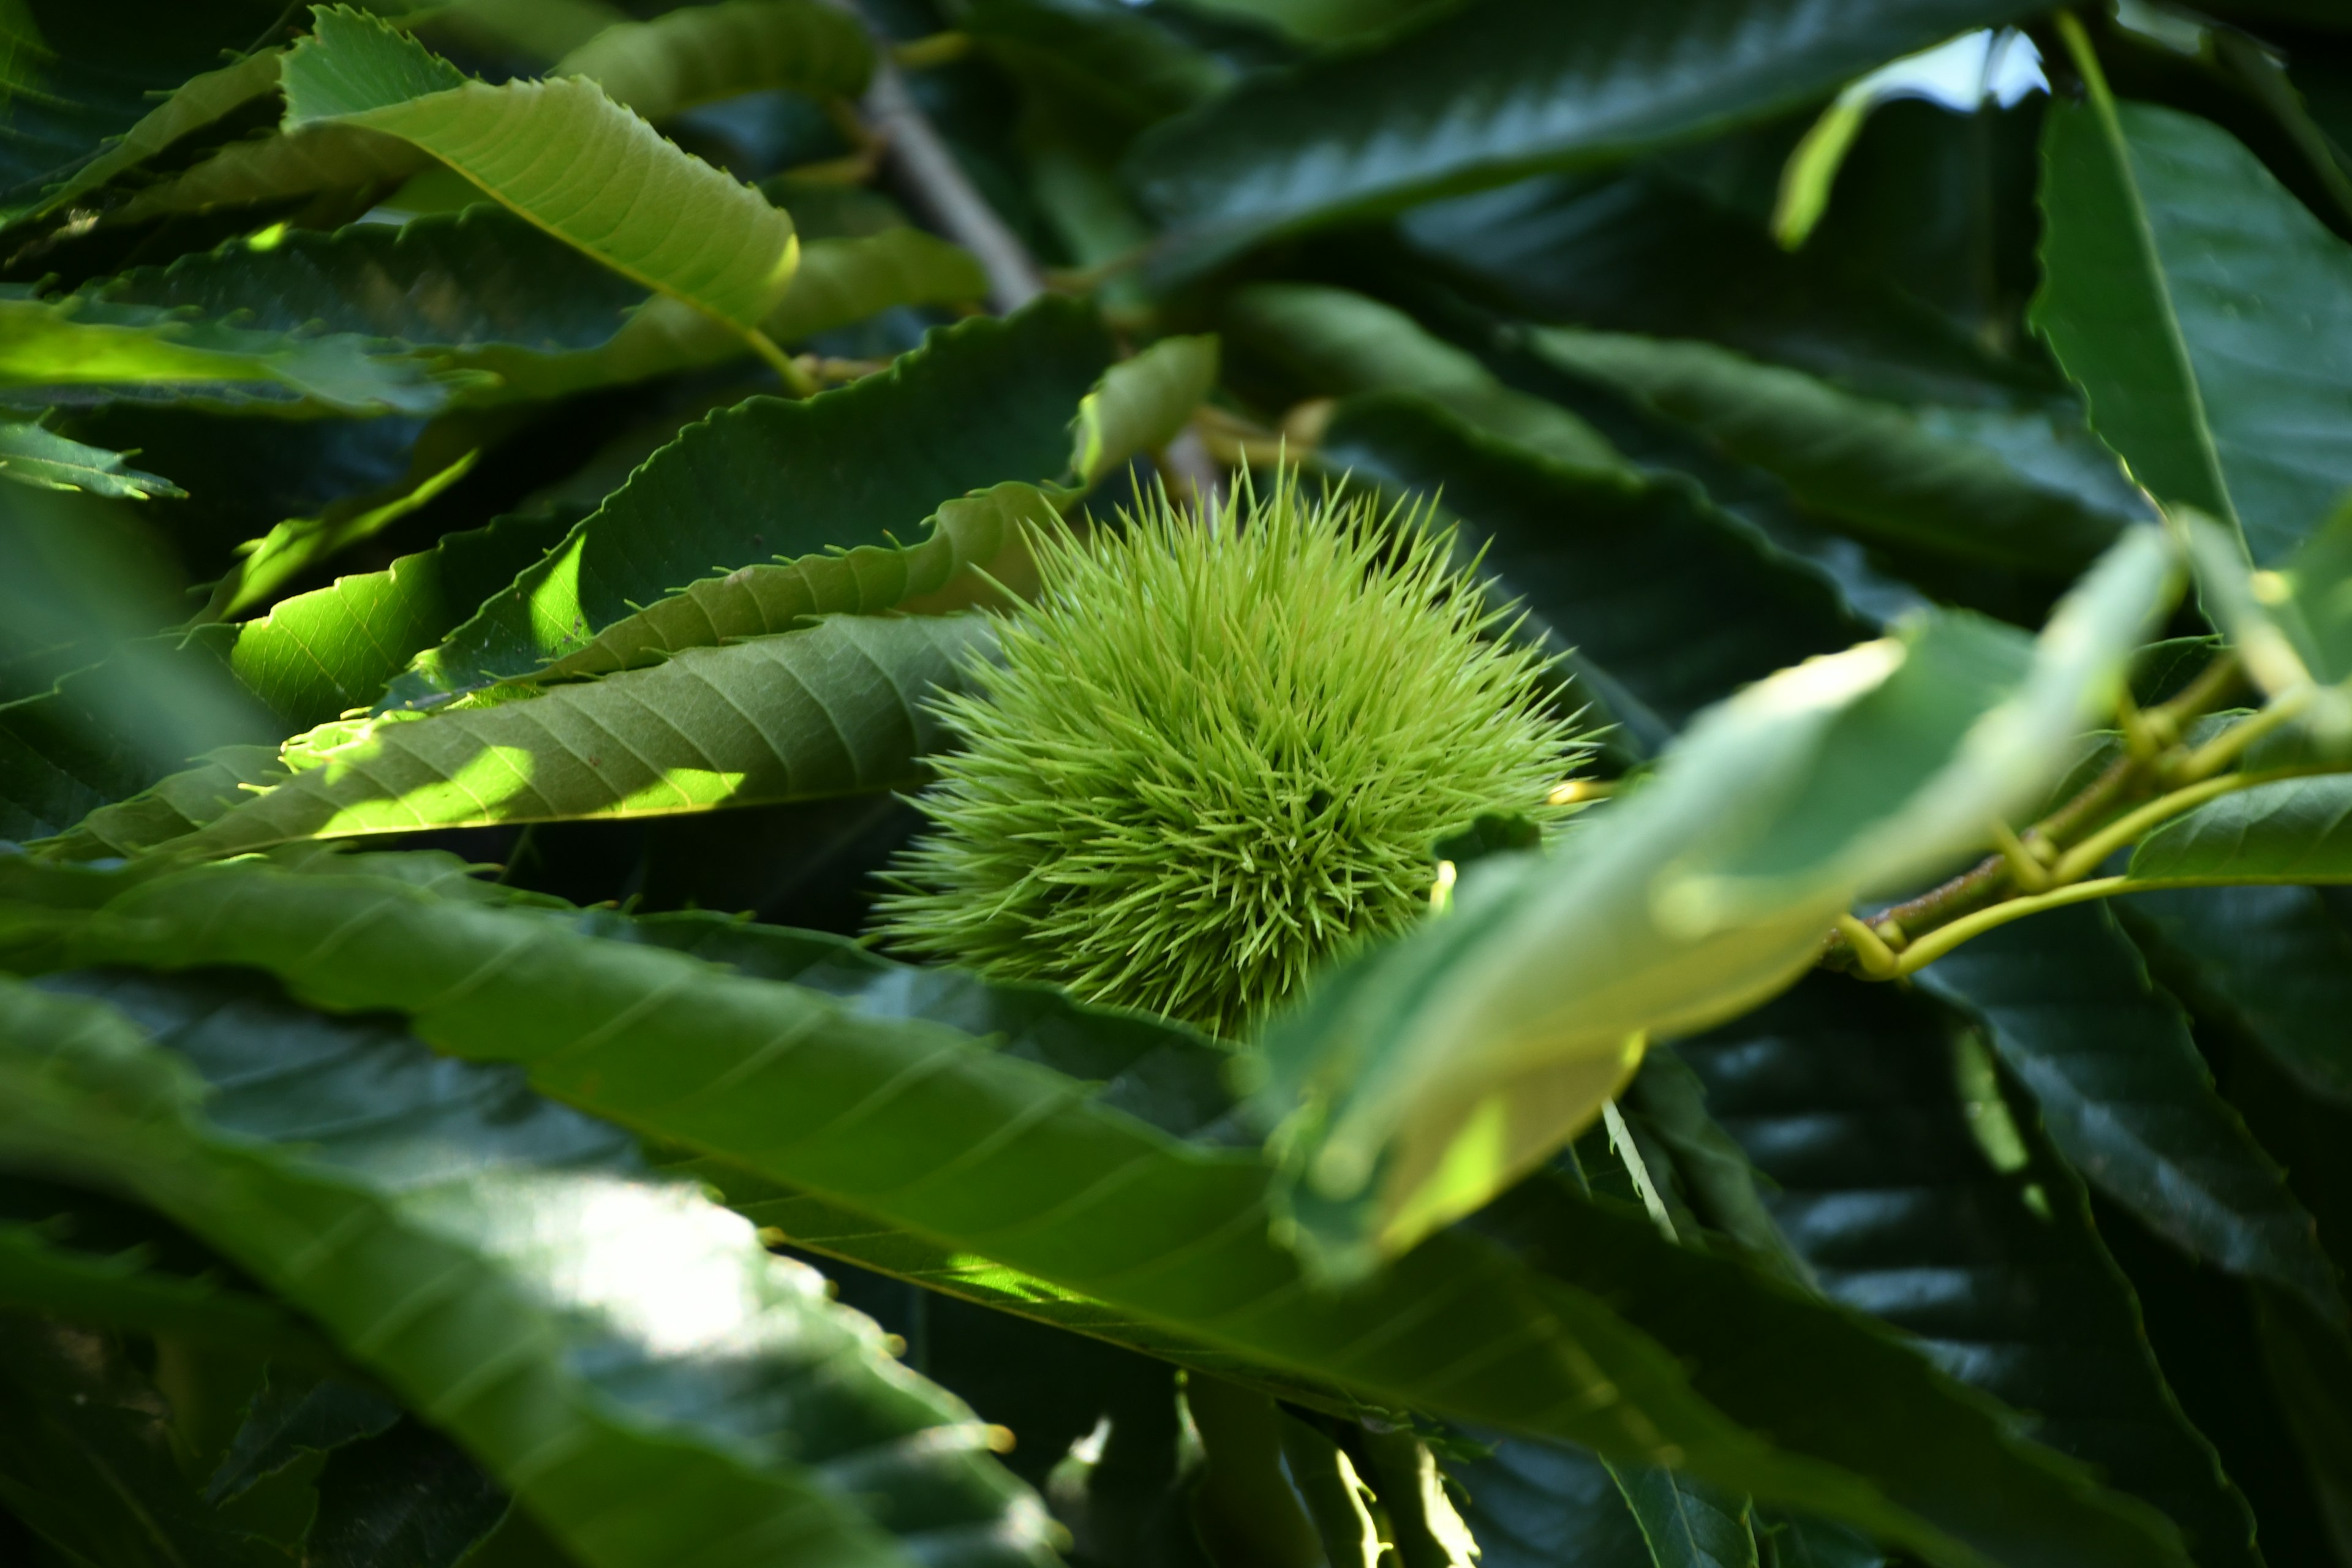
pixel 2067 1003
pixel 293 1416
pixel 2205 312
pixel 1689 1525
pixel 1915 1195
pixel 86 1460
pixel 1501 88
pixel 2014 489
pixel 711 1403
pixel 1667 603
pixel 2279 958
pixel 407 1499
pixel 1538 1505
pixel 981 402
pixel 2310 1367
pixel 704 53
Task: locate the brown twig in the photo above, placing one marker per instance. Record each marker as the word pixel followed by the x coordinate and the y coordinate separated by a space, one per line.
pixel 1989 878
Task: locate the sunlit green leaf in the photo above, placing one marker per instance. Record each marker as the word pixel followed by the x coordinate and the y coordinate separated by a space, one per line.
pixel 32 455
pixel 536 1225
pixel 649 212
pixel 840 709
pixel 981 402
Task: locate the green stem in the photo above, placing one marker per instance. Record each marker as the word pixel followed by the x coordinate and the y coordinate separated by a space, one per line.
pixel 2084 857
pixel 796 380
pixel 1943 939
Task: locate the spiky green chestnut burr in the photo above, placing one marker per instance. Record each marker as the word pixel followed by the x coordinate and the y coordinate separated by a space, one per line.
pixel 1218 748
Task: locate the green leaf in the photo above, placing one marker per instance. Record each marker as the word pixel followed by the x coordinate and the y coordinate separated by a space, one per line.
pixel 640 1421
pixel 85 1459
pixel 323 653
pixel 1917 1194
pixel 48 1265
pixel 31 454
pixel 107 731
pixel 1936 479
pixel 980 403
pixel 2204 312
pixel 986 1174
pixel 1141 403
pixel 1424 1077
pixel 1498 89
pixel 1318 21
pixel 2287 830
pixel 1658 603
pixel 1689 1525
pixel 982 530
pixel 705 53
pixel 839 709
pixel 2310 1367
pixel 1536 1505
pixel 194 104
pixel 78 76
pixel 323 175
pixel 847 278
pixel 2067 1003
pixel 651 213
pixel 2278 959
pixel 1109 64
pixel 407 1497
pixel 296 1414
pixel 79 350
pixel 1335 343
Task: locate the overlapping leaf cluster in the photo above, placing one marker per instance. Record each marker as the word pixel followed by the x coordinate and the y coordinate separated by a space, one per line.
pixel 488 487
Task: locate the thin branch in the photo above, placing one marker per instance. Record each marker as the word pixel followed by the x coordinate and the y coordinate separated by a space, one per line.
pixel 926 173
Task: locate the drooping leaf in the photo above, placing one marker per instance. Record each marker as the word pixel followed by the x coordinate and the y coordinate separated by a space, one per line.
pixel 639 1422
pixel 849 278
pixel 171 807
pixel 651 213
pixel 2203 310
pixel 980 403
pixel 705 53
pixel 1936 479
pixel 1420 1079
pixel 322 176
pixel 2066 1001
pixel 33 455
pixel 840 709
pixel 1335 343
pixel 2278 958
pixel 1498 89
pixel 1082 1212
pixel 1660 603
pixel 1917 1195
